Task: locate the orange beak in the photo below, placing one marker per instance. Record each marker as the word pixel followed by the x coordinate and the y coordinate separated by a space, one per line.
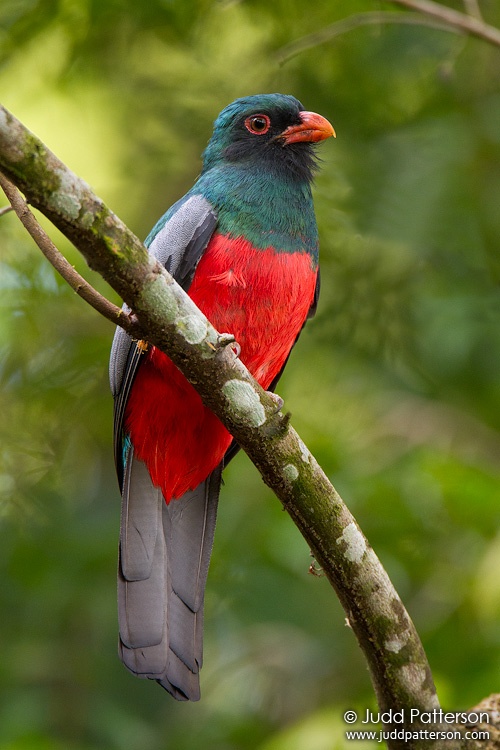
pixel 313 128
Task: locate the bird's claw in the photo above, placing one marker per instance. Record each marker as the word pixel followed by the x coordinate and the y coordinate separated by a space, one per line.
pixel 227 339
pixel 277 400
pixel 315 569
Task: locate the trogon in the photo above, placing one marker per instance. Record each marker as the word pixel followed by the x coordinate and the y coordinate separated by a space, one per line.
pixel 243 243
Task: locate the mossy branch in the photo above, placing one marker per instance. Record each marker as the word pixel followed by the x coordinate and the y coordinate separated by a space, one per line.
pixel 168 319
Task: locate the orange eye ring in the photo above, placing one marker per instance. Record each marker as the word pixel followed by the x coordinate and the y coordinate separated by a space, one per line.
pixel 258 124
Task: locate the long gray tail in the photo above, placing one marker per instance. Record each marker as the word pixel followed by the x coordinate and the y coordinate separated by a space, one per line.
pixel 164 557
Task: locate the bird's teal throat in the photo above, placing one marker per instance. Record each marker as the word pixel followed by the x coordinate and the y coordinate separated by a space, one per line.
pixel 275 212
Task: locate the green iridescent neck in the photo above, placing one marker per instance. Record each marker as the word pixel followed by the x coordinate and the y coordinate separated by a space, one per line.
pixel 267 209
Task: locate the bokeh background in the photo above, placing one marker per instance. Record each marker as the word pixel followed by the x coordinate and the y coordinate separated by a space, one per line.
pixel 395 385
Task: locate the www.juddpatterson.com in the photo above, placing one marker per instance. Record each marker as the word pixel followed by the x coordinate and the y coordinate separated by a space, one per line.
pixel 414 722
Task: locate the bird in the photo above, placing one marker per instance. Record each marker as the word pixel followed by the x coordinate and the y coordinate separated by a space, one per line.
pixel 243 244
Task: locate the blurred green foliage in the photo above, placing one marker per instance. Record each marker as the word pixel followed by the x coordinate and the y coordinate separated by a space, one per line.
pixel 395 386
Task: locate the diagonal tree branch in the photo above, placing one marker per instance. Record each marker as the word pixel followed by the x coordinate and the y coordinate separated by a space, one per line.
pixel 385 632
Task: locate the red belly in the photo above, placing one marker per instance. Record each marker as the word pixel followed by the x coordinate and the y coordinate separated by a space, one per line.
pixel 262 297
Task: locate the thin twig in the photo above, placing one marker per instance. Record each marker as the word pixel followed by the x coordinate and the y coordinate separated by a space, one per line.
pixel 59 262
pixel 368 18
pixel 472 9
pixel 5 210
pixel 429 14
pixel 454 19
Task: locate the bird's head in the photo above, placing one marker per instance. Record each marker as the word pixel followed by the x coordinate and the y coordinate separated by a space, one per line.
pixel 270 131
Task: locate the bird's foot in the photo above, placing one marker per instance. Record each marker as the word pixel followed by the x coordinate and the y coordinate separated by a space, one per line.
pixel 315 569
pixel 227 339
pixel 277 400
pixel 276 422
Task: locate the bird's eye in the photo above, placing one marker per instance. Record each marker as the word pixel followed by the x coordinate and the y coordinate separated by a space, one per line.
pixel 258 124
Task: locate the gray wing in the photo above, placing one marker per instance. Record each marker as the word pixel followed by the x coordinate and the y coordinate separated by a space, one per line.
pixel 178 244
pixel 164 549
